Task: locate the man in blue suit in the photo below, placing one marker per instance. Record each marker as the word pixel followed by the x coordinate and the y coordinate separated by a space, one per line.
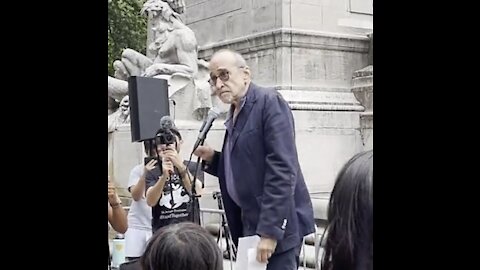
pixel 261 182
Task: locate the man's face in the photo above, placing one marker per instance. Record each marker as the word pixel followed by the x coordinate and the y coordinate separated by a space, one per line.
pixel 228 81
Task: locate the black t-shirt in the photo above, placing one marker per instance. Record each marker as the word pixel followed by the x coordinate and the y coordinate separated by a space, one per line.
pixel 177 206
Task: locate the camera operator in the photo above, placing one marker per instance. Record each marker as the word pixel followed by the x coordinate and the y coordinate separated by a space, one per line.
pixel 169 186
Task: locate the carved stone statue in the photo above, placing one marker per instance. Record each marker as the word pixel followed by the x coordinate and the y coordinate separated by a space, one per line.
pixel 174 48
pixel 121 116
pixel 177 5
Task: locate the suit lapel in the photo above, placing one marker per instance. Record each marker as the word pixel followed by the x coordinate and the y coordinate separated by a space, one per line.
pixel 243 115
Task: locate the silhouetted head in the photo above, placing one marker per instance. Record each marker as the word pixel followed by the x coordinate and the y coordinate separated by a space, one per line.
pixel 349 243
pixel 182 246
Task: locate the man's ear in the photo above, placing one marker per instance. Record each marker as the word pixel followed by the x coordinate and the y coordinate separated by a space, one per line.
pixel 247 73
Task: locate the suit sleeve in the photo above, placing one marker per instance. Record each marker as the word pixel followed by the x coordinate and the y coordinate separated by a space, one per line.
pixel 212 167
pixel 281 167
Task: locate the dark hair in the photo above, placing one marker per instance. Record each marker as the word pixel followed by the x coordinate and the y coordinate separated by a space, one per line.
pixel 176 133
pixel 174 130
pixel 148 147
pixel 182 246
pixel 349 243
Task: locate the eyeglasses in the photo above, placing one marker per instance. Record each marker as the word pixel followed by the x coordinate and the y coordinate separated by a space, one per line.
pixel 224 76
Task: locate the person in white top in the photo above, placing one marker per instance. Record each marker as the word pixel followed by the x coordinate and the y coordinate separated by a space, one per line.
pixel 140 214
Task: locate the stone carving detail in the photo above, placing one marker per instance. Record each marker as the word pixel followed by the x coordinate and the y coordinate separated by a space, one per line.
pixel 362 87
pixel 121 116
pixel 174 58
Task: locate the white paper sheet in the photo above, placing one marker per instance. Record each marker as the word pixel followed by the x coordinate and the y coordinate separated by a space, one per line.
pixel 247 254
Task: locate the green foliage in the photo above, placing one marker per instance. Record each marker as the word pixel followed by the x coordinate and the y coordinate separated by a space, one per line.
pixel 126 29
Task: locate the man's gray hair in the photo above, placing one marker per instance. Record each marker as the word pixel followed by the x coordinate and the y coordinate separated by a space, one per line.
pixel 239 60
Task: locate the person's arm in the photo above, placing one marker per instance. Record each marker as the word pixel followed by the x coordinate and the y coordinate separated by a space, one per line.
pixel 186 176
pixel 171 155
pixel 137 188
pixel 280 173
pixel 154 193
pixel 117 216
pixel 155 186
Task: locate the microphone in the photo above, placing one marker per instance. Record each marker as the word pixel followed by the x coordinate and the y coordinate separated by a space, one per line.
pixel 164 134
pixel 166 122
pixel 213 113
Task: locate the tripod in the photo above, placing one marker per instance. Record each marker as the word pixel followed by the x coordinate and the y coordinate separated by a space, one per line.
pixel 231 249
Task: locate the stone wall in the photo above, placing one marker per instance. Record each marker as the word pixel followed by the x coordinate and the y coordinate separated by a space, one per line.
pixel 215 21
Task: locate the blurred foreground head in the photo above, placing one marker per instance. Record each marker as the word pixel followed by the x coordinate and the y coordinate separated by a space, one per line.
pixel 182 246
pixel 349 243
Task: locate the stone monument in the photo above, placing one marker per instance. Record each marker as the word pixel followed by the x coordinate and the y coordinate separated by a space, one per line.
pixel 172 54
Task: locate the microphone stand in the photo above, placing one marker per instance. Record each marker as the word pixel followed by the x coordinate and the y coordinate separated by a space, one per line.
pixel 198 143
pixel 194 195
pixel 170 184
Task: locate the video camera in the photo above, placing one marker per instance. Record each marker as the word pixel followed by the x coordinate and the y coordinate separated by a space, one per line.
pixel 164 136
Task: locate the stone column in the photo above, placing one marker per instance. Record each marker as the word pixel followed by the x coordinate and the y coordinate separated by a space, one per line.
pixel 363 91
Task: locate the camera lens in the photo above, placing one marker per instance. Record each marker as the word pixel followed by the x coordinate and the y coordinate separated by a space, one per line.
pixel 169 138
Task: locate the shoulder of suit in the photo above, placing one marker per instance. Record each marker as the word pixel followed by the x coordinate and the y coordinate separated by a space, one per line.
pixel 265 91
pixel 268 93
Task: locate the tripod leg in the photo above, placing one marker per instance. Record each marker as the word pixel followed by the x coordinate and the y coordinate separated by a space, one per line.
pixel 219 235
pixel 231 247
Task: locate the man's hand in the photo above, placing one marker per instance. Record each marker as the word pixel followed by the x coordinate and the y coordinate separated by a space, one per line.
pixel 205 152
pixel 265 249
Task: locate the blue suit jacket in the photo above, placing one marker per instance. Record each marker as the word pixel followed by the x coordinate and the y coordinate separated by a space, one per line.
pixel 274 200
